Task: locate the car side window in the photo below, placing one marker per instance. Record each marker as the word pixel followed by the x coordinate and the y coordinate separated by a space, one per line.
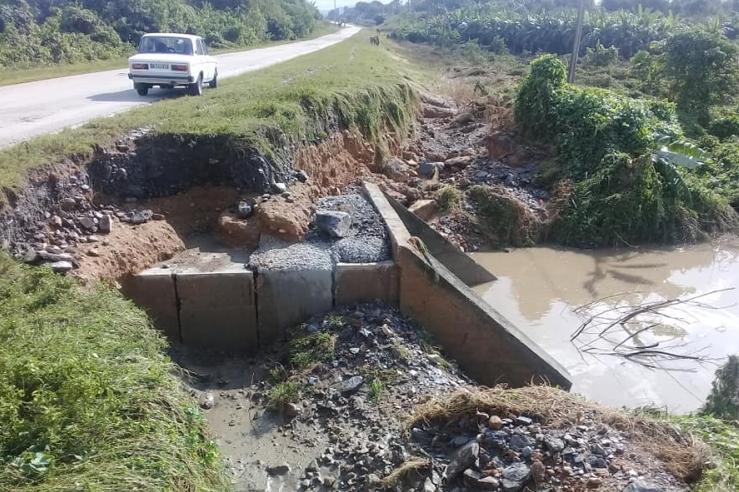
pixel 203 47
pixel 198 50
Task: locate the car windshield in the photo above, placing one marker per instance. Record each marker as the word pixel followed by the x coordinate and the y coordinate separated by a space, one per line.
pixel 165 44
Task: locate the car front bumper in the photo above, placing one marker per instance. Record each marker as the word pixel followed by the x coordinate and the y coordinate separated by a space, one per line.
pixel 161 79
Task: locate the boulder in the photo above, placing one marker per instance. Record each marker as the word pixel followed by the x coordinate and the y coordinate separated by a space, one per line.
pixel 87 223
pixel 465 457
pixel 459 162
pixel 105 225
pixel 430 170
pixel 61 266
pixel 396 169
pixel 515 477
pixel 333 223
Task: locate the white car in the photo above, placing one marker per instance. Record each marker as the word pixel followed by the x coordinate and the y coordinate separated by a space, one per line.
pixel 168 60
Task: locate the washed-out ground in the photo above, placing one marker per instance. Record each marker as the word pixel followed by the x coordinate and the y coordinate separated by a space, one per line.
pixel 359 399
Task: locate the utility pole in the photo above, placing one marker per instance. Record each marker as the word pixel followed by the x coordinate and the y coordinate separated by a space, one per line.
pixel 576 44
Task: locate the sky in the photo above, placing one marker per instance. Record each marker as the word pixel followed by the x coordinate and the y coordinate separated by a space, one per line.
pixel 329 4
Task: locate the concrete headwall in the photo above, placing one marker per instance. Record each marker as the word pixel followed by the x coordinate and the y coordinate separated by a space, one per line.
pixel 218 304
pixel 485 344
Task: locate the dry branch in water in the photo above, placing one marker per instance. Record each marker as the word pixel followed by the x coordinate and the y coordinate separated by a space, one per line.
pixel 628 330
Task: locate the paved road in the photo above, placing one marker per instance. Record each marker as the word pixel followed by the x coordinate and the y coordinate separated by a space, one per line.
pixel 46 106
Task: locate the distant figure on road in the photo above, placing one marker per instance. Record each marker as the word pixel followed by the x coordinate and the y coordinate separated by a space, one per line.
pixel 375 40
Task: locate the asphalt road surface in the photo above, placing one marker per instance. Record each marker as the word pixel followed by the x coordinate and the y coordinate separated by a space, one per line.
pixel 47 106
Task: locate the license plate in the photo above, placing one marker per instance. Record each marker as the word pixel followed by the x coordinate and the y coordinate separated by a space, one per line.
pixel 159 66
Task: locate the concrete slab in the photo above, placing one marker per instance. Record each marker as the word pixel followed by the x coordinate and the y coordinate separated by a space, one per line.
pixel 154 291
pixel 218 309
pixel 288 297
pixel 363 282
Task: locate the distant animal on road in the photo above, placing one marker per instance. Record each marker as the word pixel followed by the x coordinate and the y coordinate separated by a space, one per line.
pixel 375 40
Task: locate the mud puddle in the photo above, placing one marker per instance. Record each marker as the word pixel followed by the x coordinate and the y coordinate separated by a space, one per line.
pixel 538 289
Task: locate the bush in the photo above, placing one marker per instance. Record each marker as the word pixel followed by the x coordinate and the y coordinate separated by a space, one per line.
pixel 725 127
pixel 702 69
pixel 601 56
pixel 503 218
pixel 88 399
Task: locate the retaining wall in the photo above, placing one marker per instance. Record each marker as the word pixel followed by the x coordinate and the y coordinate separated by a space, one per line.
pixel 484 343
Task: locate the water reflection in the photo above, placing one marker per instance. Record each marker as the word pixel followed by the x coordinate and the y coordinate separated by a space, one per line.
pixel 539 288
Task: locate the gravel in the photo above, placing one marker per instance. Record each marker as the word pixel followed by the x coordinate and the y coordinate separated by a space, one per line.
pixel 274 254
pixel 367 240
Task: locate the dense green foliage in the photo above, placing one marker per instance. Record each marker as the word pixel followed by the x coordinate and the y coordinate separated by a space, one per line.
pixel 536 31
pixel 88 399
pixel 723 401
pixel 628 187
pixel 68 31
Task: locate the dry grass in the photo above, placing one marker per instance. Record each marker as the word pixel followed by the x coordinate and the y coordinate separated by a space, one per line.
pixel 681 455
pixel 411 469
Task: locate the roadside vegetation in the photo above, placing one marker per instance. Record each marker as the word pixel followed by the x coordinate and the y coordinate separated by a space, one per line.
pixel 350 85
pixel 88 399
pixel 37 32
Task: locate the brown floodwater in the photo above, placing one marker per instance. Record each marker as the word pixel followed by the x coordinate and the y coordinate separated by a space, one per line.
pixel 539 290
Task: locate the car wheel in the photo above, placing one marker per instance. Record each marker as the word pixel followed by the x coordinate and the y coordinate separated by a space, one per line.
pixel 196 89
pixel 142 89
pixel 214 83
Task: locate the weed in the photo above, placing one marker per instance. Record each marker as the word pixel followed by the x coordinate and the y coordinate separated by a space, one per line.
pixel 334 321
pixel 449 199
pixel 503 218
pixel 308 350
pixel 376 389
pixel 282 394
pixel 722 437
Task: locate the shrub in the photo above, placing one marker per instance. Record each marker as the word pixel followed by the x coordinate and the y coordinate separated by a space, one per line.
pixel 724 127
pixel 601 56
pixel 503 218
pixel 702 69
pixel 448 199
pixel 723 402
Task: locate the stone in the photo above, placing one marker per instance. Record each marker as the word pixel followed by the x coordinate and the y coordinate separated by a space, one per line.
pixel 521 420
pixel 67 204
pixel 554 444
pixel 463 458
pixel 598 449
pixel 351 385
pixel 281 469
pixel 30 256
pixel 244 210
pixel 235 231
pixel 396 169
pixel 598 462
pixel 470 477
pixel 61 266
pixel 56 221
pixel 515 477
pixel 140 216
pixel 639 486
pixel 54 257
pixel 459 162
pixel 279 188
pixel 301 176
pixel 291 410
pixel 333 223
pixel 429 170
pixel 495 422
pixel 428 485
pixel 594 483
pixel 463 118
pixel 425 209
pixel 518 442
pixel 208 401
pixel 488 483
pixel 87 222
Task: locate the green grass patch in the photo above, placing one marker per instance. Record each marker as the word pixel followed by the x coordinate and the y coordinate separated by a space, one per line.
pixel 349 85
pixel 88 399
pixel 311 349
pixel 448 198
pixel 723 439
pixel 283 394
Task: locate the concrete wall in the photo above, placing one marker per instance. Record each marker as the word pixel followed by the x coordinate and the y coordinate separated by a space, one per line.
pixel 485 344
pixel 217 304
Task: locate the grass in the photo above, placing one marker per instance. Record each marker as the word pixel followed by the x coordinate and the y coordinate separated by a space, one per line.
pixel 88 400
pixel 19 75
pixel 723 438
pixel 311 349
pixel 349 85
pixel 682 456
pixel 449 199
pixel 283 394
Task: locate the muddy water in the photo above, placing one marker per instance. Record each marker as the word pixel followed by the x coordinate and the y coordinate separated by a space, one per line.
pixel 539 289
